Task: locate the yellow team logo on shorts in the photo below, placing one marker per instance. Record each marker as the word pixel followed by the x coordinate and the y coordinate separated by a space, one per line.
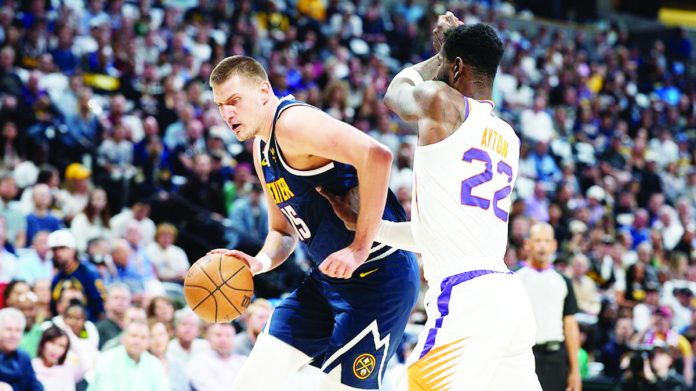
pixel 364 365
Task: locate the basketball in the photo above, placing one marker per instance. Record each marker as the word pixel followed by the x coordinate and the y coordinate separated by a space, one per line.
pixel 218 288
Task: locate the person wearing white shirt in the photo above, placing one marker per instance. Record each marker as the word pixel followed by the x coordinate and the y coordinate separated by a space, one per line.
pixel 215 369
pixel 138 213
pixel 536 123
pixel 186 344
pixel 170 261
pixel 93 221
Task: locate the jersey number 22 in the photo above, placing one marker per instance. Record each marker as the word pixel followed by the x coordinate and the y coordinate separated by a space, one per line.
pixel 468 184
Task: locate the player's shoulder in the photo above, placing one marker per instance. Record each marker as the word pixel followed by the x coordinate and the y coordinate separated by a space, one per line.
pixel 295 114
pixel 435 96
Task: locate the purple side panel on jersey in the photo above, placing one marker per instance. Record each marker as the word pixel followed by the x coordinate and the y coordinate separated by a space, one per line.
pixel 444 298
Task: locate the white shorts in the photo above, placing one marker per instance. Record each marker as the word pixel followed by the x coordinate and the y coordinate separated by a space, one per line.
pixel 478 336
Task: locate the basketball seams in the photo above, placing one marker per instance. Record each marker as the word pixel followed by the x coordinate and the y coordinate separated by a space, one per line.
pixel 217 287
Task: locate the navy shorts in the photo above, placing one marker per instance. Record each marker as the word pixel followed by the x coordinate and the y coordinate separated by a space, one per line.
pixel 356 323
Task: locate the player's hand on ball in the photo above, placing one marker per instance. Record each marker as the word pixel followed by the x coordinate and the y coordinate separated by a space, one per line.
pixel 254 265
pixel 346 206
pixel 444 23
pixel 343 263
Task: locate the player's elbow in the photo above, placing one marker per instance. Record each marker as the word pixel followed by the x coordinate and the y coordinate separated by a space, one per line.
pixel 379 155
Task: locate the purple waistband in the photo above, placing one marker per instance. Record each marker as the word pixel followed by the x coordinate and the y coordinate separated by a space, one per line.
pixel 444 298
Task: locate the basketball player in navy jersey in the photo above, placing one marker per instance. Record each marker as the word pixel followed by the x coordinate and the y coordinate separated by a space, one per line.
pixel 351 310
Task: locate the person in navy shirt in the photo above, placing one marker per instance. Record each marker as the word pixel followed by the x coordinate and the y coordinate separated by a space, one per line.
pixel 71 272
pixel 15 364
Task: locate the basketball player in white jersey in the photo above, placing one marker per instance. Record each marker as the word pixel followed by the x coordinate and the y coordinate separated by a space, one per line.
pixel 480 329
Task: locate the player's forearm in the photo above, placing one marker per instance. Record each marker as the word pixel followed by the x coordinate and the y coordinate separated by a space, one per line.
pixel 397 235
pixel 278 247
pixel 401 93
pixel 373 176
pixel 572 341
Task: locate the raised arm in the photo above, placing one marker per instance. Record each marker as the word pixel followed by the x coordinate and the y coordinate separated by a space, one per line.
pixel 311 132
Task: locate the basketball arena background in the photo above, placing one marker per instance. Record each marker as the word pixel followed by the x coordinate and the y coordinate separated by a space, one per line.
pixel 108 131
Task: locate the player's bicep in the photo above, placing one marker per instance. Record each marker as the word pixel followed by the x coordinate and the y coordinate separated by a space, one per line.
pixel 276 219
pixel 316 133
pixel 412 103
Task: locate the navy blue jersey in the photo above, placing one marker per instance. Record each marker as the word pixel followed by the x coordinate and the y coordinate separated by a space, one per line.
pixel 311 214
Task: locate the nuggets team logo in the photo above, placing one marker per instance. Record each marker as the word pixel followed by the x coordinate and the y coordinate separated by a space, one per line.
pixel 363 366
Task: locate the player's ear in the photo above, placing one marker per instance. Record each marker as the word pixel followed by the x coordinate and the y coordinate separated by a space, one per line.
pixel 457 69
pixel 266 91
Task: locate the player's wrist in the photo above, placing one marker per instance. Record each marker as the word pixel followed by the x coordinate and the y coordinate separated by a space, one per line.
pixel 265 261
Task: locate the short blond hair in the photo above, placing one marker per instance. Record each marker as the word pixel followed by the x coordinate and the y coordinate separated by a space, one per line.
pixel 166 228
pixel 237 65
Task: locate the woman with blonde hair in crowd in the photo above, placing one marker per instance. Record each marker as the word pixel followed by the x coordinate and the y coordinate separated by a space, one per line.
pixel 49 364
pixel 170 261
pixel 159 341
pixel 93 221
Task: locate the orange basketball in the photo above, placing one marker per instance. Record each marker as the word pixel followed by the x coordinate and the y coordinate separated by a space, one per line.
pixel 218 288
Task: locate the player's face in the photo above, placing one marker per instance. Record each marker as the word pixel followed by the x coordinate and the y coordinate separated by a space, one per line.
pixel 240 101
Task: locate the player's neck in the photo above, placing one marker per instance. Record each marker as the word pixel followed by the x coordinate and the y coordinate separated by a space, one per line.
pixel 269 114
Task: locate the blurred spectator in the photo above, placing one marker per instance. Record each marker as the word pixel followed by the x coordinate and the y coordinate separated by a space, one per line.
pixel 159 340
pixel 131 315
pixel 662 333
pixel 249 217
pixel 170 261
pixel 15 221
pixel 15 364
pixel 49 364
pixel 255 318
pixel 93 221
pixel 614 351
pixel 585 289
pixel 139 213
pixel 118 300
pixel 115 158
pixel 130 366
pixel 8 261
pixel 26 303
pixel 74 273
pixel 130 269
pixel 214 368
pixel 13 290
pixel 34 262
pixel 42 219
pixel 77 187
pixel 186 344
pixel 202 189
pixel 10 83
pixel 536 123
pixel 643 311
pixel 161 309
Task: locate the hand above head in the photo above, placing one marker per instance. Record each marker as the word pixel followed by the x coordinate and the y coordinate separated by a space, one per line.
pixel 346 206
pixel 444 23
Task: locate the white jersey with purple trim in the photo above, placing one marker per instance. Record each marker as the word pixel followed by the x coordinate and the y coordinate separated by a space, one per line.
pixel 461 198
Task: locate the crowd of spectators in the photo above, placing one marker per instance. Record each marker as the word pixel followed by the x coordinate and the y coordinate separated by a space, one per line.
pixel 116 172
